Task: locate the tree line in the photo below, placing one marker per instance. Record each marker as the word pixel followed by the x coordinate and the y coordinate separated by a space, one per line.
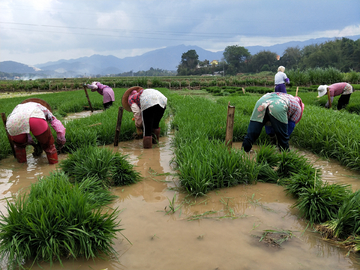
pixel 342 54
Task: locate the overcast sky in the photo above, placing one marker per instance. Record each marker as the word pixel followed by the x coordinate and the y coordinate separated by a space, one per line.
pixel 38 31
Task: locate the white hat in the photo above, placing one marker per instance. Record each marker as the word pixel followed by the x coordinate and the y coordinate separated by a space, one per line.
pixel 322 90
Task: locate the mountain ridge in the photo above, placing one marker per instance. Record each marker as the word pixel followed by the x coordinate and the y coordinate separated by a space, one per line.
pixel 167 58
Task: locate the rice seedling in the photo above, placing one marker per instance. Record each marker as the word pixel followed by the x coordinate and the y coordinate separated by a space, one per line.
pixel 55 220
pixel 303 180
pixel 321 202
pixel 172 207
pixel 347 220
pixel 111 168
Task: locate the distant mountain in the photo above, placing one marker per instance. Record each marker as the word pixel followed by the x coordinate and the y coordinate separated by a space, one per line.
pixel 15 67
pixel 167 59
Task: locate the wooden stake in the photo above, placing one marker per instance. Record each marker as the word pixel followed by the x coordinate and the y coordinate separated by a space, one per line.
pixel 230 125
pixel 87 96
pixel 3 116
pixel 297 90
pixel 118 126
pixel 329 99
pixel 243 90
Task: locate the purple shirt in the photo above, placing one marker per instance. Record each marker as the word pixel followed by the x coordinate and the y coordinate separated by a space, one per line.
pixel 105 91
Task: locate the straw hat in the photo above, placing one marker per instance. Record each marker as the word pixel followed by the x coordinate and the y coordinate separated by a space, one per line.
pixel 322 90
pixel 125 97
pixel 38 100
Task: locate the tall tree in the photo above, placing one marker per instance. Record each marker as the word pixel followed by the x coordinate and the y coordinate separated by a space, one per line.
pixel 189 61
pixel 236 57
pixel 291 58
pixel 263 61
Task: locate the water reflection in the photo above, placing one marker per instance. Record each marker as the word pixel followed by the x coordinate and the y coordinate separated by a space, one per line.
pixel 216 231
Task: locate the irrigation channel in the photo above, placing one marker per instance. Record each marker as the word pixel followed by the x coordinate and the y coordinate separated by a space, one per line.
pixel 223 230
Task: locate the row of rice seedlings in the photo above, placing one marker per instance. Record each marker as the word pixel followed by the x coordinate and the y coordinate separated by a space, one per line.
pixel 205 165
pixel 80 131
pixel 57 219
pixel 332 134
pixel 109 167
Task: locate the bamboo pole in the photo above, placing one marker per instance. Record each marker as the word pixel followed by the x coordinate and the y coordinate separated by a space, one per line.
pixel 87 96
pixel 230 125
pixel 3 116
pixel 118 126
pixel 329 99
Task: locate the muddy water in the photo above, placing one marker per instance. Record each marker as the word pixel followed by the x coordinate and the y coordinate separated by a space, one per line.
pixel 219 231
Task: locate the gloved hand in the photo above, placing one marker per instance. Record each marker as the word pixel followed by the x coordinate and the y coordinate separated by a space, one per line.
pixel 60 140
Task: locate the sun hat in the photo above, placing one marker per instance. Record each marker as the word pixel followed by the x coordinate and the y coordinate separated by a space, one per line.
pixel 322 90
pixel 125 97
pixel 38 100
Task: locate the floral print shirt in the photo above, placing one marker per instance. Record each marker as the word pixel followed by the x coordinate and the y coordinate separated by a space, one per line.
pixel 18 121
pixel 282 107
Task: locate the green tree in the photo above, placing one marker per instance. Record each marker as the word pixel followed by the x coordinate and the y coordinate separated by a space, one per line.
pixel 237 58
pixel 261 59
pixel 189 61
pixel 291 58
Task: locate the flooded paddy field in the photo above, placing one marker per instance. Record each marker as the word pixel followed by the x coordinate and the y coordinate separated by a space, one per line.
pixel 222 230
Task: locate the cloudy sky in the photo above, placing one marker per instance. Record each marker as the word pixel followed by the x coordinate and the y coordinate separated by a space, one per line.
pixel 38 31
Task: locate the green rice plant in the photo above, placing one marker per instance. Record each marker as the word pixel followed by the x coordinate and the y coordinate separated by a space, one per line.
pixel 172 207
pixel 291 163
pixel 321 202
pixel 55 220
pixel 267 174
pixel 111 168
pixel 205 165
pixel 91 186
pixel 347 220
pixel 268 154
pixel 301 181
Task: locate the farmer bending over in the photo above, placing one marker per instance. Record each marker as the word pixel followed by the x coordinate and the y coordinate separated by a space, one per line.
pixel 148 107
pixel 34 117
pixel 104 90
pixel 344 89
pixel 281 111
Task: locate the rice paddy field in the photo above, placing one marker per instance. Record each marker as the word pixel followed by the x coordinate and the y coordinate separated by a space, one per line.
pixel 190 202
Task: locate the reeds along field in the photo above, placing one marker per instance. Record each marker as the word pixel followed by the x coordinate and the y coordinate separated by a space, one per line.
pixel 205 163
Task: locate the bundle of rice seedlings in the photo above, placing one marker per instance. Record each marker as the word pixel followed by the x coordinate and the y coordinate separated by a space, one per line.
pixel 292 163
pixel 268 154
pixel 91 186
pixel 111 168
pixel 347 220
pixel 55 220
pixel 303 180
pixel 321 202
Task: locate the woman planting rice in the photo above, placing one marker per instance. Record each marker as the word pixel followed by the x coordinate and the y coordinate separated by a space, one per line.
pixel 280 80
pixel 33 117
pixel 336 89
pixel 281 111
pixel 148 107
pixel 105 91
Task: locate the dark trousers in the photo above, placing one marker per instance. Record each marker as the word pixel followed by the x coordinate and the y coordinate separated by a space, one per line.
pixel 151 118
pixel 107 105
pixel 343 101
pixel 254 130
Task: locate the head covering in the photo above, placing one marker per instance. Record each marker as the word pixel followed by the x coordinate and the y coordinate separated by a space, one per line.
pixel 322 90
pixel 38 100
pixel 125 97
pixel 301 105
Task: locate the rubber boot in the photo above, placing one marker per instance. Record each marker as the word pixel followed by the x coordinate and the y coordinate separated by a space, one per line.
pixel 147 141
pixel 51 154
pixel 156 136
pixel 20 153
